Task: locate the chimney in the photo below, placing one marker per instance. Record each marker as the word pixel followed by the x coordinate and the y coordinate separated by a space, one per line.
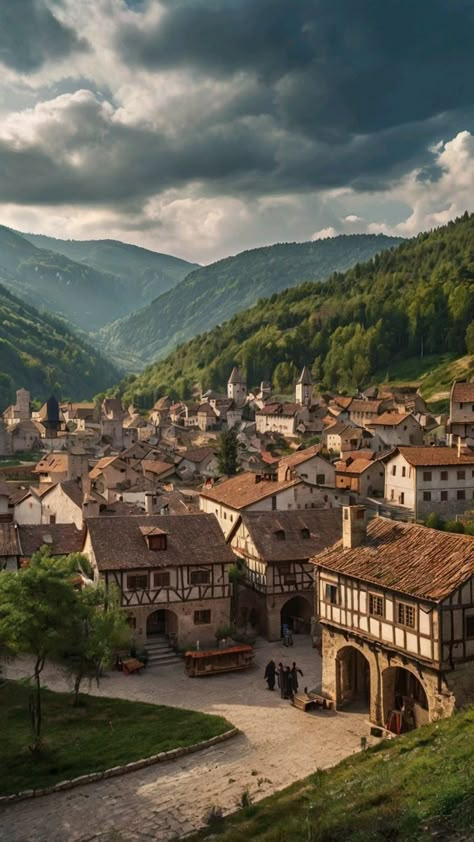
pixel 150 501
pixel 354 526
pixel 258 478
pixel 90 507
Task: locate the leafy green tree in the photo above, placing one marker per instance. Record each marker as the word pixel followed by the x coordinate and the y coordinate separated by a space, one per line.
pixel 37 608
pixel 228 453
pixel 98 629
pixel 434 521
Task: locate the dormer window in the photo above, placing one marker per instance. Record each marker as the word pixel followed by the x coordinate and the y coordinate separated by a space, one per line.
pixel 280 534
pixel 305 533
pixel 156 538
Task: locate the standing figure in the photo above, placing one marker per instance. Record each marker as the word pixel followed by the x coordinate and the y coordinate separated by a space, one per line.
pixel 288 683
pixel 281 680
pixel 294 677
pixel 270 675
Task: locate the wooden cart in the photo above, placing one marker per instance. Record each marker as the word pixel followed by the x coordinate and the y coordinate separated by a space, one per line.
pixel 213 661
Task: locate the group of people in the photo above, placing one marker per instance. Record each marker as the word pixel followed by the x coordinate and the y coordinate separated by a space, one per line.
pixel 287 678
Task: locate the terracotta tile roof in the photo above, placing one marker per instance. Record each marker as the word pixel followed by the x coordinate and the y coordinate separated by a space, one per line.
pixel 55 462
pixel 197 454
pixel 153 466
pixel 342 401
pixel 301 456
pixel 9 540
pixel 243 490
pixel 391 419
pixel 104 463
pixel 287 409
pixel 421 456
pixel 405 557
pixel 357 467
pixel 365 406
pixel 61 538
pixel 463 392
pixel 193 539
pixel 206 409
pixel 323 525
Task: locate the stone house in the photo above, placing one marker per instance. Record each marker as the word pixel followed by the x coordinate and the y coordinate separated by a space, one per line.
pixel 258 492
pixel 20 410
pixel 199 461
pixel 394 428
pixel 308 465
pixel 172 573
pixel 396 605
pixel 111 475
pixel 461 413
pixel 55 467
pixel 282 418
pixel 207 418
pixel 24 435
pixel 26 504
pixel 341 438
pixel 156 471
pixel 429 479
pixel 275 548
pixel 362 412
pixel 362 476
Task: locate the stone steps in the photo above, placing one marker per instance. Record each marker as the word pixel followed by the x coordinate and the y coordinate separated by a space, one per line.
pixel 160 653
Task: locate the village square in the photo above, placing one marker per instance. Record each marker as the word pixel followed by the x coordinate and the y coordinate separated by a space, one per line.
pixel 240 531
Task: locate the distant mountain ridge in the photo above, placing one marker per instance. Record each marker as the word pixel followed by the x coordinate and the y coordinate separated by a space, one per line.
pixel 41 354
pixel 212 294
pixel 88 296
pixel 404 304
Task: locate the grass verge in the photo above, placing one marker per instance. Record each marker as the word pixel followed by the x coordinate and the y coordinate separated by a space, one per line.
pixel 99 734
pixel 417 787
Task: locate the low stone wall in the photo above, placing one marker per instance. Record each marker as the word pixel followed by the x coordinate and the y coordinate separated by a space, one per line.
pixel 119 770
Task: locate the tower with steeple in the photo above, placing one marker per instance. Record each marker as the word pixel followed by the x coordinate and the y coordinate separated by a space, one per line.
pixel 304 388
pixel 237 387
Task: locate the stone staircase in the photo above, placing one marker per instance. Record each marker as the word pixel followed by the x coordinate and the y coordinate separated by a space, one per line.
pixel 160 653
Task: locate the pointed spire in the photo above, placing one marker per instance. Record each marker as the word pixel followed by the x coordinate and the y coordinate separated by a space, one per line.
pixel 305 377
pixel 236 376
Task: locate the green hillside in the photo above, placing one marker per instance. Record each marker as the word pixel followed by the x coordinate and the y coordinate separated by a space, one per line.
pixel 149 273
pixel 88 297
pixel 418 787
pixel 39 353
pixel 212 294
pixel 409 302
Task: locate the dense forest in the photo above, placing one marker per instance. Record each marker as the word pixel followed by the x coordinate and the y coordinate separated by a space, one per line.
pixel 39 353
pixel 414 300
pixel 88 296
pixel 212 294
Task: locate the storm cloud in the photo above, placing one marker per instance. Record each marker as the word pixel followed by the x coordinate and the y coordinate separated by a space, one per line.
pixel 257 112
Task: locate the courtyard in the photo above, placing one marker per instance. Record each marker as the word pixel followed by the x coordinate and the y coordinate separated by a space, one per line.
pixel 278 745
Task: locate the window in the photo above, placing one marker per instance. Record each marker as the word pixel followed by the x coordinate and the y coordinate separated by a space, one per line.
pixel 470 626
pixel 394 470
pixel 288 575
pixel 444 475
pixel 161 579
pixel 320 479
pixel 200 577
pixel 280 534
pixel 461 494
pixel 305 532
pixel 138 582
pixel 427 476
pixel 427 496
pixel 461 474
pixel 444 496
pixel 157 542
pixel 274 503
pixel 331 594
pixel 202 618
pixel 406 615
pixel 376 605
pixel 404 471
pixel 402 498
pixel 52 518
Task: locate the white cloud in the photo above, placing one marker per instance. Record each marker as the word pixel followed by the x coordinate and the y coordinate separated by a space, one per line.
pixel 325 233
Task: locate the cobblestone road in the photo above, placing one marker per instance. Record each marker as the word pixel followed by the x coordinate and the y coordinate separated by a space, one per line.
pixel 279 744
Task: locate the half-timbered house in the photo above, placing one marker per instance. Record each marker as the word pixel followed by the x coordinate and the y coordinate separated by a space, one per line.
pixel 396 605
pixel 172 573
pixel 275 548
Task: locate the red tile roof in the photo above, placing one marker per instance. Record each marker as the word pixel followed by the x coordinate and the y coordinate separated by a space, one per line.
pixel 434 456
pixel 244 489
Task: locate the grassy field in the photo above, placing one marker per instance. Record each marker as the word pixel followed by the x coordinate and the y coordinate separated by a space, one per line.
pixel 434 373
pixel 99 734
pixel 413 788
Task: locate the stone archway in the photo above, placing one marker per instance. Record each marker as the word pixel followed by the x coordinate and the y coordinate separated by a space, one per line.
pixel 296 613
pixel 404 692
pixel 352 679
pixel 162 623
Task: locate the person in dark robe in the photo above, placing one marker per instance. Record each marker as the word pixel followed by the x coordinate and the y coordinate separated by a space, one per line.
pixel 294 677
pixel 288 683
pixel 281 680
pixel 270 674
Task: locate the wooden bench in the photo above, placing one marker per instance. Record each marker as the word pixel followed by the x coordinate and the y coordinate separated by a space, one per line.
pixel 307 701
pixel 130 665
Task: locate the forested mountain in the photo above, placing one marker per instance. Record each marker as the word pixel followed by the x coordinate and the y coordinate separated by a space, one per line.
pixel 149 273
pixel 88 297
pixel 39 353
pixel 212 294
pixel 414 300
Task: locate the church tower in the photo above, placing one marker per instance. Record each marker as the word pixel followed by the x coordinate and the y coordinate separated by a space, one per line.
pixel 237 387
pixel 304 388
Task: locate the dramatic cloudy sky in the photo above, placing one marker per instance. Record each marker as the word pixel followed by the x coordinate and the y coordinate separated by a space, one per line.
pixel 203 127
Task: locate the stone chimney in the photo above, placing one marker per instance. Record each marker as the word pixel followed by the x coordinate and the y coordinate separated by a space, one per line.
pixel 354 526
pixel 150 502
pixel 90 507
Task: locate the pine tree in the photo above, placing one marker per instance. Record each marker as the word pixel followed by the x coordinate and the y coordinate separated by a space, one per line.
pixel 227 456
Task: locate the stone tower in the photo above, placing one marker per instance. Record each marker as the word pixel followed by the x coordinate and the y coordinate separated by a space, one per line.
pixel 237 387
pixel 304 388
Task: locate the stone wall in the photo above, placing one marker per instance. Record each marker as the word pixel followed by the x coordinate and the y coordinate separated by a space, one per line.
pixel 181 621
pixel 267 608
pixel 440 693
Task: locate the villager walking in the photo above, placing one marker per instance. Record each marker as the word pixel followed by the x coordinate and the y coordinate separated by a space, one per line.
pixel 270 674
pixel 281 680
pixel 294 677
pixel 288 683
